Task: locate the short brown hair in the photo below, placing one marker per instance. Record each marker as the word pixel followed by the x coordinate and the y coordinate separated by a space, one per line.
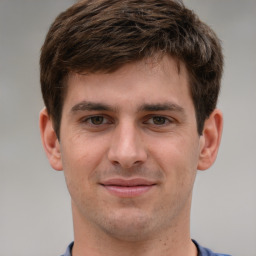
pixel 102 35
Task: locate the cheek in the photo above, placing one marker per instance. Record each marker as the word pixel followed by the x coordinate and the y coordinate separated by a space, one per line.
pixel 81 153
pixel 78 168
pixel 82 157
pixel 177 157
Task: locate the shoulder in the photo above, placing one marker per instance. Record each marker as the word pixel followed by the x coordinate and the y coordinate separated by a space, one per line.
pixel 202 251
pixel 68 251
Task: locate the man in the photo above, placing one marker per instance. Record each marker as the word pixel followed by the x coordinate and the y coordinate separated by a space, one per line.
pixel 130 89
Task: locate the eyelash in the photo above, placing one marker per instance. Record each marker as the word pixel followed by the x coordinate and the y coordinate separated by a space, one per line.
pixel 162 118
pixel 89 120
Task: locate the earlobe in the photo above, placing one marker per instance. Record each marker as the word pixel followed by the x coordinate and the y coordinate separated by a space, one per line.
pixel 49 140
pixel 210 138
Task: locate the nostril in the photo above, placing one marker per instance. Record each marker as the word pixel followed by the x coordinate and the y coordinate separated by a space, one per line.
pixel 137 162
pixel 115 163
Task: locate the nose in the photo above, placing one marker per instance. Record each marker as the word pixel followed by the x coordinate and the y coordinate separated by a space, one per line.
pixel 127 148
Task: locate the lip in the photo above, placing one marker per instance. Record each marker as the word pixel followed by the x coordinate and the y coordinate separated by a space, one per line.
pixel 128 187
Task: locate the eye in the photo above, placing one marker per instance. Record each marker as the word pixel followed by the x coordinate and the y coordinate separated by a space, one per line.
pixel 96 120
pixel 158 120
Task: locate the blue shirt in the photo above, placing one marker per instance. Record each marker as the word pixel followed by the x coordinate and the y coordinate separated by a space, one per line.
pixel 201 251
pixel 204 251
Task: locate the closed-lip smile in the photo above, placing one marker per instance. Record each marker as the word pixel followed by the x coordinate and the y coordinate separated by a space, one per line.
pixel 128 187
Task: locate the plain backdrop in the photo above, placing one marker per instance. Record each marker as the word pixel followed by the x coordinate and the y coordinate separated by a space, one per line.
pixel 35 214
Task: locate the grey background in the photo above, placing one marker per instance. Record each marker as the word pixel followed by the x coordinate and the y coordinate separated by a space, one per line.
pixel 35 215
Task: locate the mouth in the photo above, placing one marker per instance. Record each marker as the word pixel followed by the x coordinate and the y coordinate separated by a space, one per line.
pixel 128 188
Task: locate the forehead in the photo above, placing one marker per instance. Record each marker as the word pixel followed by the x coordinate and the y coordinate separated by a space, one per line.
pixel 146 80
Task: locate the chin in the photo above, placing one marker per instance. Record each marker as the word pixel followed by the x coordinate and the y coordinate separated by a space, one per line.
pixel 131 225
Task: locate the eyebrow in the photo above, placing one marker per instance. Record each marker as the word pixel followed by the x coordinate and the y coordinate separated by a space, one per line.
pixel 147 107
pixel 162 107
pixel 91 106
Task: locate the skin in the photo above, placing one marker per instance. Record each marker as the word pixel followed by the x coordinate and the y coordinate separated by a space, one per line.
pixel 136 123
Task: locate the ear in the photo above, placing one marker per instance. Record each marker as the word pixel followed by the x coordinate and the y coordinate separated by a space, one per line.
pixel 49 140
pixel 210 140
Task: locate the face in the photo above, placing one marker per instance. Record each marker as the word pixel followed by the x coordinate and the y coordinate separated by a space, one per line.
pixel 130 148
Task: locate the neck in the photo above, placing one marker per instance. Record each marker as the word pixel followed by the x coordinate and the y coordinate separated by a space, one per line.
pixel 91 241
